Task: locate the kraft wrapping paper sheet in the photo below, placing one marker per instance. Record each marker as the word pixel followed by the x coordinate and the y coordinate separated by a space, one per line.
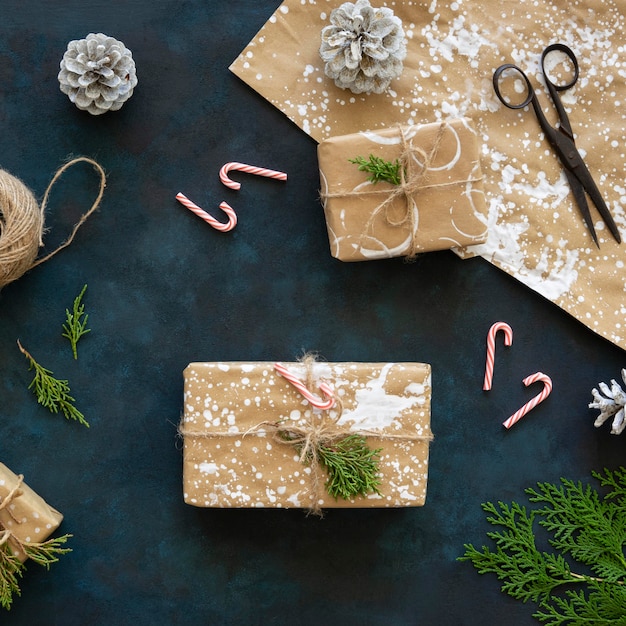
pixel 535 231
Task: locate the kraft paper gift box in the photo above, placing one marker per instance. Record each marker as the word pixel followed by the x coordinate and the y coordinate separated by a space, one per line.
pixel 440 205
pixel 23 513
pixel 232 459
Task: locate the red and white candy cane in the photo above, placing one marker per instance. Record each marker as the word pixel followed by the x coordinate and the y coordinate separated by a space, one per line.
pixel 209 219
pixel 491 349
pixel 319 403
pixel 531 404
pixel 248 169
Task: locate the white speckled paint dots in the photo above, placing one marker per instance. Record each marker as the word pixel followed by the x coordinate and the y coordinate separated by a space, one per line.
pixel 535 231
pixel 230 460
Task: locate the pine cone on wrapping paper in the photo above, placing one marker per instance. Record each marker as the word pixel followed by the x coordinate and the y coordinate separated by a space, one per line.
pixel 97 73
pixel 363 47
pixel 612 404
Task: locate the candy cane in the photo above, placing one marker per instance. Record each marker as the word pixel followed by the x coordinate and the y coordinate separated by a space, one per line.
pixel 531 404
pixel 194 208
pixel 491 349
pixel 319 403
pixel 248 169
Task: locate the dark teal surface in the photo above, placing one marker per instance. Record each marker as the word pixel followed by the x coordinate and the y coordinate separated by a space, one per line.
pixel 164 289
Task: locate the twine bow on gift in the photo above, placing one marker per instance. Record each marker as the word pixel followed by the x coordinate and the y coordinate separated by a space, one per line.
pixel 5 534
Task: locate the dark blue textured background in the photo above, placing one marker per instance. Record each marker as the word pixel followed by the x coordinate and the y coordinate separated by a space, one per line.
pixel 165 289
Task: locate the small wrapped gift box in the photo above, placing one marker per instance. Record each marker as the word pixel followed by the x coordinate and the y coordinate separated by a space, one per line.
pixel 439 203
pixel 24 515
pixel 233 458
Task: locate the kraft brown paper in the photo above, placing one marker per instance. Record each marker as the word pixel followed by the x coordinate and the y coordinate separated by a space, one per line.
pixel 446 210
pixel 27 516
pixel 231 459
pixel 535 231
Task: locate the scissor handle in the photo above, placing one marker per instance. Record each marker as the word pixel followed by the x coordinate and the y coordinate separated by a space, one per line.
pixel 530 92
pixel 559 47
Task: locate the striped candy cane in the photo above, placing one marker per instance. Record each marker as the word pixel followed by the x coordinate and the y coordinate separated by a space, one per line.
pixel 248 169
pixel 221 226
pixel 314 400
pixel 491 349
pixel 531 404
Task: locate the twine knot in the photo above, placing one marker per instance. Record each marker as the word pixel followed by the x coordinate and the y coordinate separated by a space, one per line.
pixel 414 165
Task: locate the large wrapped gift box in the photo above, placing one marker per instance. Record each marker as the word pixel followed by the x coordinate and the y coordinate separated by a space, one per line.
pixel 232 459
pixel 24 513
pixel 440 204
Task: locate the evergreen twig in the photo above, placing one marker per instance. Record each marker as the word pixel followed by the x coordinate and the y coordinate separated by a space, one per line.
pixel 584 526
pixel 352 467
pixel 75 327
pixel 12 568
pixel 52 393
pixel 379 169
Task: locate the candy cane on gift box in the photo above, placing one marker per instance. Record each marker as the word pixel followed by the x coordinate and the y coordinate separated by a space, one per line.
pixel 318 403
pixel 209 219
pixel 491 349
pixel 248 169
pixel 531 404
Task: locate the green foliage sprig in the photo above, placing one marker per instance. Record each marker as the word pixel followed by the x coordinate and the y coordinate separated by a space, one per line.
pixel 12 568
pixel 51 392
pixel 379 169
pixel 588 529
pixel 75 327
pixel 351 465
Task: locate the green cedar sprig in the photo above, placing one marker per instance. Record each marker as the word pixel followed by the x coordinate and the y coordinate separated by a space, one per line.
pixel 51 392
pixel 352 467
pixel 588 529
pixel 12 568
pixel 75 327
pixel 379 169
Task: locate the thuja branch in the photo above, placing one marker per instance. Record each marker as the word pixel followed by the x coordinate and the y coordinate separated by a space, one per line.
pixel 51 392
pixel 379 169
pixel 12 567
pixel 588 529
pixel 75 325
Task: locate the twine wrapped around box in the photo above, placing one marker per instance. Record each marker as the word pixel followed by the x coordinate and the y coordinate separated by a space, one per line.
pixel 439 203
pixel 236 414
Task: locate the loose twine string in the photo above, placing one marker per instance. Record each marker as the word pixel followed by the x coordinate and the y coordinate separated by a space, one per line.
pixel 22 222
pixel 415 163
pixel 321 429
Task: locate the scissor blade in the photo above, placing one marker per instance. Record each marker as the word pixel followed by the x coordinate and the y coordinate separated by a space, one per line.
pixel 582 173
pixel 581 201
pixel 574 163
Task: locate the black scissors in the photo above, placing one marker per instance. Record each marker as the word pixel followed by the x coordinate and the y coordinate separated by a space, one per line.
pixel 562 138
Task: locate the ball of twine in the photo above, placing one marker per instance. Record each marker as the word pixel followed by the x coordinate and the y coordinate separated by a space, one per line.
pixel 22 223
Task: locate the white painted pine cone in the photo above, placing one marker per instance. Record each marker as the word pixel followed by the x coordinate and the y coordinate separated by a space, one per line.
pixel 611 405
pixel 363 47
pixel 97 73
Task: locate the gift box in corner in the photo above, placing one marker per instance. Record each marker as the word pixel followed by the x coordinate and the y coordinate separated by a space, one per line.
pixel 24 514
pixel 437 204
pixel 233 458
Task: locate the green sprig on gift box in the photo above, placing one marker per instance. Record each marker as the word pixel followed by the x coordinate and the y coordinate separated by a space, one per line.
pixel 351 465
pixel 585 528
pixel 379 169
